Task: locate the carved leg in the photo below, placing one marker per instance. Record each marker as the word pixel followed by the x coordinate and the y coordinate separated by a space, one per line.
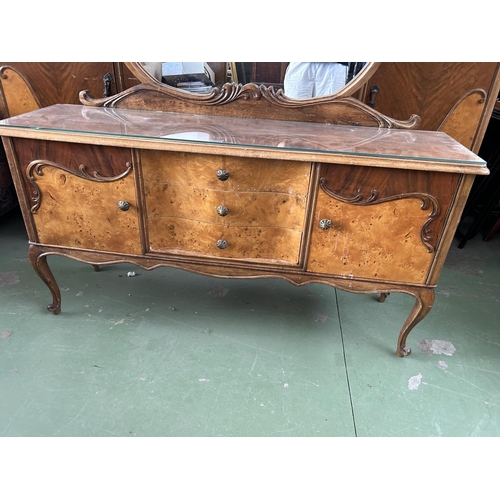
pixel 424 299
pixel 383 296
pixel 39 263
pixel 96 268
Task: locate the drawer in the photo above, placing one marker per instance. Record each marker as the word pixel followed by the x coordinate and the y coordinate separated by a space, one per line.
pixel 243 174
pixel 225 208
pixel 187 237
pixel 257 206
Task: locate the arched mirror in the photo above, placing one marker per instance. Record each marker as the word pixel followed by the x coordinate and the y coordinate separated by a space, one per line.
pixel 294 80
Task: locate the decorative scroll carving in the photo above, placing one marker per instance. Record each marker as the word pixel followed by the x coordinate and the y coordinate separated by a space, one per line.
pixel 37 166
pixel 231 92
pixel 280 99
pixel 428 201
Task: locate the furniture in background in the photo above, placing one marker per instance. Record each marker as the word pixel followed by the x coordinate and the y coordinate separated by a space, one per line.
pixel 482 212
pixel 242 183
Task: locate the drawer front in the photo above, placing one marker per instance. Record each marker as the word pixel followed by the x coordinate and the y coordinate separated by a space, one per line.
pixel 243 174
pixel 259 244
pixel 378 223
pixel 226 207
pixel 256 206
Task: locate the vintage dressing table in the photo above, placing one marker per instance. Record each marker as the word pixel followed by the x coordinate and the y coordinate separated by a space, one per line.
pixel 242 183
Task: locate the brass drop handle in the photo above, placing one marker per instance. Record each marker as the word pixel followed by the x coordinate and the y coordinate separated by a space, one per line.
pixel 123 205
pixel 325 224
pixel 222 175
pixel 221 244
pixel 222 211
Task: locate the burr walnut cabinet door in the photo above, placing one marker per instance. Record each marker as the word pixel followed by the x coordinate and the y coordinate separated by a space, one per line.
pixel 81 196
pixel 217 206
pixel 79 212
pixel 377 223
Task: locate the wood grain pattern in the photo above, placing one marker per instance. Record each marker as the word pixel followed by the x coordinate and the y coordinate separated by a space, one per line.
pixel 266 202
pixel 181 236
pixel 467 110
pixel 106 161
pixel 81 213
pixel 374 241
pixel 430 90
pixel 61 82
pixel 348 182
pixel 245 174
pixel 244 208
pixel 18 96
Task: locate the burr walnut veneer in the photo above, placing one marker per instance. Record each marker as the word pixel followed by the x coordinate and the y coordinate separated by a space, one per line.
pixel 367 209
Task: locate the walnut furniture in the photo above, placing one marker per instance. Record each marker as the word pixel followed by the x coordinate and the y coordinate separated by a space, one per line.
pixel 242 183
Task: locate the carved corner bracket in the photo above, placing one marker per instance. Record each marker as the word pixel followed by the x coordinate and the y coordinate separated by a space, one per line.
pixel 428 201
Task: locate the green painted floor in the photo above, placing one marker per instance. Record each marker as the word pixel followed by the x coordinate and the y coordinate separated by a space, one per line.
pixel 169 353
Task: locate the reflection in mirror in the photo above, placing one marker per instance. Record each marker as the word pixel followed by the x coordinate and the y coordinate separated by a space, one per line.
pixel 304 80
pixel 300 80
pixel 190 76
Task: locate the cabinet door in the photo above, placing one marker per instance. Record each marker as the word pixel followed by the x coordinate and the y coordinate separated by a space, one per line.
pixel 81 196
pixel 378 223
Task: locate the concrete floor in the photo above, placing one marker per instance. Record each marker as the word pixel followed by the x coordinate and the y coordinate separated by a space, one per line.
pixel 169 353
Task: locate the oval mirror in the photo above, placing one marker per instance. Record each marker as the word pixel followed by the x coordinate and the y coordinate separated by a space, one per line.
pixel 295 80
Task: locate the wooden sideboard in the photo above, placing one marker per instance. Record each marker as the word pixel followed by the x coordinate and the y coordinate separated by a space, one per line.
pixel 329 192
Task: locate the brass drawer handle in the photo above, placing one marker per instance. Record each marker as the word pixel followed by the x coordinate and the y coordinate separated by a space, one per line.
pixel 222 244
pixel 325 224
pixel 123 205
pixel 222 175
pixel 222 211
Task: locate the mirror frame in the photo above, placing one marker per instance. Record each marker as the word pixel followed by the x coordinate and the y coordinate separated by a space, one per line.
pixel 348 90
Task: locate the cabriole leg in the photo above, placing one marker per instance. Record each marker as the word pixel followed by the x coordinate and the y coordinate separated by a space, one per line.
pixel 424 299
pixel 39 263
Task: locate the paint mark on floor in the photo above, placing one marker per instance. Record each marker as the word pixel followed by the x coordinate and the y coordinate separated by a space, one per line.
pixel 203 380
pixel 218 291
pixel 6 334
pixel 414 382
pixel 321 318
pixel 442 365
pixel 436 347
pixel 9 278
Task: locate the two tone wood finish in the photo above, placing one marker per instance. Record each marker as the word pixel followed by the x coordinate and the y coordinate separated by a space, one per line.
pixel 366 210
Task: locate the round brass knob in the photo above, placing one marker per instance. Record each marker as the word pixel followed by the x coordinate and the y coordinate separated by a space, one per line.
pixel 222 211
pixel 222 175
pixel 123 205
pixel 325 224
pixel 222 244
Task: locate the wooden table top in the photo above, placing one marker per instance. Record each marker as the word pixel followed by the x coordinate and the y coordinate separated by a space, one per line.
pixel 396 148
